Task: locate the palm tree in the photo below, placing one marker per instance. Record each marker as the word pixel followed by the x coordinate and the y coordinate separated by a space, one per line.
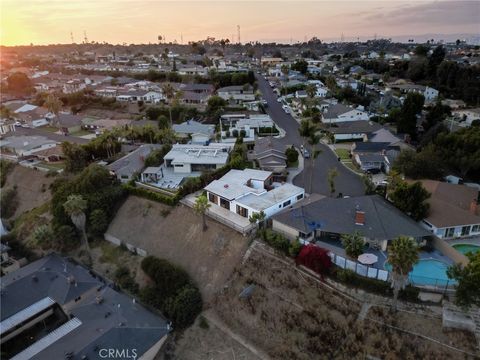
pixel 258 218
pixel 313 140
pixel 402 256
pixel 311 90
pixel 305 130
pixel 169 93
pixel 353 244
pixel 285 70
pixel 75 206
pixel 54 105
pixel 200 207
pixel 332 174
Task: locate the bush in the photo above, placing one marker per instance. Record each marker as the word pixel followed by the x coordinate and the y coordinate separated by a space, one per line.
pixel 151 195
pixel 235 133
pixel 184 307
pixel 8 202
pixel 66 237
pixel 281 243
pixel 173 291
pixel 98 222
pixel 292 155
pixel 125 280
pixel 295 248
pixel 349 277
pixel 168 278
pixel 5 167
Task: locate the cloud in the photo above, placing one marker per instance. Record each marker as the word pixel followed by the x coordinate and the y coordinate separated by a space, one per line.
pixel 431 13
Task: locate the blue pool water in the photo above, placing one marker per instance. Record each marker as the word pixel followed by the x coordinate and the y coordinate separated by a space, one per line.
pixel 465 248
pixel 428 272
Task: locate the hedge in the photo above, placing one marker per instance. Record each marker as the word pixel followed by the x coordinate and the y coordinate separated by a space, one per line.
pixel 349 277
pixel 151 195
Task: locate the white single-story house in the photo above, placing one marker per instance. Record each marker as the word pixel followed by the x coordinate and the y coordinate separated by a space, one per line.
pixel 250 191
pixel 24 145
pixel 237 94
pixel 340 113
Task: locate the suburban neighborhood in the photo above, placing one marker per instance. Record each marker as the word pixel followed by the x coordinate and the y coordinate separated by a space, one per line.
pixel 229 199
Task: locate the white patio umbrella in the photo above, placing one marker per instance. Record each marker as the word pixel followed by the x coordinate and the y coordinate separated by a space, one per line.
pixel 368 259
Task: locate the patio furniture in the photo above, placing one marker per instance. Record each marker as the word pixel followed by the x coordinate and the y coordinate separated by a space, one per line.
pixel 368 259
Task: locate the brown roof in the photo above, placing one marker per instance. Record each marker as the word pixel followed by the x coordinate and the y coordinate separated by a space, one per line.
pixel 450 204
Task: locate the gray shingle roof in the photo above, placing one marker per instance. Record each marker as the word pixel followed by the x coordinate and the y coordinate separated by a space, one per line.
pixel 337 215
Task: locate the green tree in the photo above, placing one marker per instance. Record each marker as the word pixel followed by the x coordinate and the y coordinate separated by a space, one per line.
pixel 184 307
pixel 76 158
pixel 53 105
pixel 169 92
pixel 411 199
pixel 426 164
pixel 301 66
pixel 292 155
pixel 412 106
pixel 42 236
pixel 331 175
pixel 75 206
pixel 468 280
pixel 311 90
pixel 19 84
pixel 214 104
pixel 8 202
pixel 435 115
pixel 98 222
pixel 285 70
pixel 200 207
pixel 257 218
pixel 353 244
pixel 368 184
pixel 402 256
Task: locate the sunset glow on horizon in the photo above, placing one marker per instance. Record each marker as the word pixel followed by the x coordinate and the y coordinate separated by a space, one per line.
pixel 127 21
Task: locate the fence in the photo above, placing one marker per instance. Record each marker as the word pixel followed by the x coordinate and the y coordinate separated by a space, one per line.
pixel 422 282
pixel 360 269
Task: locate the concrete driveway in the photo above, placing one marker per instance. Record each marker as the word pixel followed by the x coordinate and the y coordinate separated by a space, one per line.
pixel 346 182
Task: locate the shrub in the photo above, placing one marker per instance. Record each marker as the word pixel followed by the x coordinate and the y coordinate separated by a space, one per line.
pixel 66 237
pixel 243 133
pixel 235 133
pixel 151 195
pixel 125 280
pixel 98 222
pixel 173 291
pixel 295 248
pixel 8 202
pixel 184 307
pixel 5 167
pixel 292 155
pixel 203 323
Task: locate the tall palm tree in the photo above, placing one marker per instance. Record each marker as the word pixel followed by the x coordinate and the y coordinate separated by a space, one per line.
pixel 54 105
pixel 402 256
pixel 305 129
pixel 313 140
pixel 75 206
pixel 200 207
pixel 169 93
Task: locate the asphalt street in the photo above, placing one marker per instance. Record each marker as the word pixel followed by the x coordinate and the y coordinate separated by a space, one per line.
pixel 347 182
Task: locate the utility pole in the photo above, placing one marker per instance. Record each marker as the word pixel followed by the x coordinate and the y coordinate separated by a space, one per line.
pixel 181 39
pixel 71 37
pixel 238 34
pixel 85 39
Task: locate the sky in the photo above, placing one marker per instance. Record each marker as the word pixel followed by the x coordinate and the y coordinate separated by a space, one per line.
pixel 141 21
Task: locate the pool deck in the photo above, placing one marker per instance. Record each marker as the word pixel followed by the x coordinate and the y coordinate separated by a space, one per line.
pixel 473 240
pixel 335 246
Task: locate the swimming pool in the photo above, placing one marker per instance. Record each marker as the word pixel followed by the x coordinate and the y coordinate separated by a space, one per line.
pixel 465 248
pixel 428 272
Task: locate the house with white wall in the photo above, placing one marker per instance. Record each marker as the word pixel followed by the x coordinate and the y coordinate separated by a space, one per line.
pixel 237 94
pixel 340 113
pixel 454 210
pixel 249 191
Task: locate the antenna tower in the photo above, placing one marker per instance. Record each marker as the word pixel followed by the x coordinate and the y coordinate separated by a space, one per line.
pixel 85 39
pixel 238 34
pixel 71 37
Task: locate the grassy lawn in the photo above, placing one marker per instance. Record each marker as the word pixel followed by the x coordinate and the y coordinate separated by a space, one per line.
pixel 293 165
pixel 52 166
pixel 52 129
pixel 352 166
pixel 81 133
pixel 343 154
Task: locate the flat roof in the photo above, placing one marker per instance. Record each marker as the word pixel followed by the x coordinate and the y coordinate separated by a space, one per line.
pixel 266 200
pixel 199 154
pixel 234 183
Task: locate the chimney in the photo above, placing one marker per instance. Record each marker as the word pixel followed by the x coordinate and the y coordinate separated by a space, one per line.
pixel 359 217
pixel 474 206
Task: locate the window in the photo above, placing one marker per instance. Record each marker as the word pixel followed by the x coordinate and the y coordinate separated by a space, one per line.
pixel 299 197
pixel 475 228
pixel 449 232
pixel 286 203
pixel 465 230
pixel 242 211
pixel 213 198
